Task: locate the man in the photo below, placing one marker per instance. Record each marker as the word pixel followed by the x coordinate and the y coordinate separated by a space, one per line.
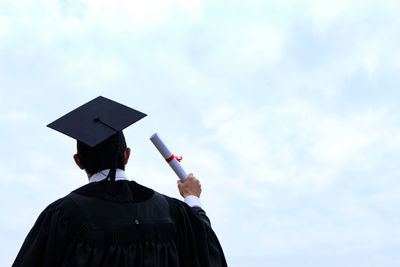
pixel 113 221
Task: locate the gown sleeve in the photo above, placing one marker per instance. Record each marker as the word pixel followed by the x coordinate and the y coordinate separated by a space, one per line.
pixel 197 243
pixel 45 242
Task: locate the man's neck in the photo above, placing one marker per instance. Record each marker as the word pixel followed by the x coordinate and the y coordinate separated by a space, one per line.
pixel 101 175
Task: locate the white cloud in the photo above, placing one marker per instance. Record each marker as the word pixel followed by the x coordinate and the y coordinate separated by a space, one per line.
pixel 92 71
pixel 138 14
pixel 15 116
pixel 266 141
pixel 326 12
pixel 260 46
pixel 39 160
pixel 5 28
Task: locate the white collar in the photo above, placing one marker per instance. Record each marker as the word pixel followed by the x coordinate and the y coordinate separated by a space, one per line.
pixel 101 175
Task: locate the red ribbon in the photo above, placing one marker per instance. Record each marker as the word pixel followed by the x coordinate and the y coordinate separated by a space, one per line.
pixel 178 158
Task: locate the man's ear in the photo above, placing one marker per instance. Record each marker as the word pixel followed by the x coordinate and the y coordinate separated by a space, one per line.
pixel 77 161
pixel 127 153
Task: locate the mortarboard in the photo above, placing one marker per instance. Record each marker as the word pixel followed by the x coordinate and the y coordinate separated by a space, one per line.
pixel 97 120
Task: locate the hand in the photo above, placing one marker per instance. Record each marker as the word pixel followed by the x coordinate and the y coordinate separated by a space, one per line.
pixel 191 187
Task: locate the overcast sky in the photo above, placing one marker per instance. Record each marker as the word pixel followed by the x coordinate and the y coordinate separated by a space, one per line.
pixel 287 111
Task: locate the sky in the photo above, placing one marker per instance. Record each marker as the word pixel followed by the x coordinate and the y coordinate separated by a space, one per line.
pixel 287 112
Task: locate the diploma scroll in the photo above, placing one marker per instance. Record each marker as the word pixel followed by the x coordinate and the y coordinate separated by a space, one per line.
pixel 168 156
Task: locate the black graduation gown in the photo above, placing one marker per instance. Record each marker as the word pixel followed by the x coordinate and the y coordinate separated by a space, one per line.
pixel 125 224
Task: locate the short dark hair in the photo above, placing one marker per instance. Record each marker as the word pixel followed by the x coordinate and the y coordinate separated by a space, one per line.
pixel 105 155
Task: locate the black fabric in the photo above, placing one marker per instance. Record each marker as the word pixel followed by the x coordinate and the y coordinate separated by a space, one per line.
pixel 97 120
pixel 106 155
pixel 135 227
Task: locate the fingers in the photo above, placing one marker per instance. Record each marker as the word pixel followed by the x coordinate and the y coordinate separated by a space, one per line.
pixel 191 186
pixel 189 180
pixel 190 175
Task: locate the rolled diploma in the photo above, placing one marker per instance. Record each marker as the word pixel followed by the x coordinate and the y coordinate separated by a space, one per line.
pixel 162 148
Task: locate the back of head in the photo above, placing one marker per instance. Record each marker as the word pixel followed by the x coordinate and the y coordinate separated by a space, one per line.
pixel 106 155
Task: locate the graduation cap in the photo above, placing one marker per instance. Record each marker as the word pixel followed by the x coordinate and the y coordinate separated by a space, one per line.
pixel 96 121
pixel 97 126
